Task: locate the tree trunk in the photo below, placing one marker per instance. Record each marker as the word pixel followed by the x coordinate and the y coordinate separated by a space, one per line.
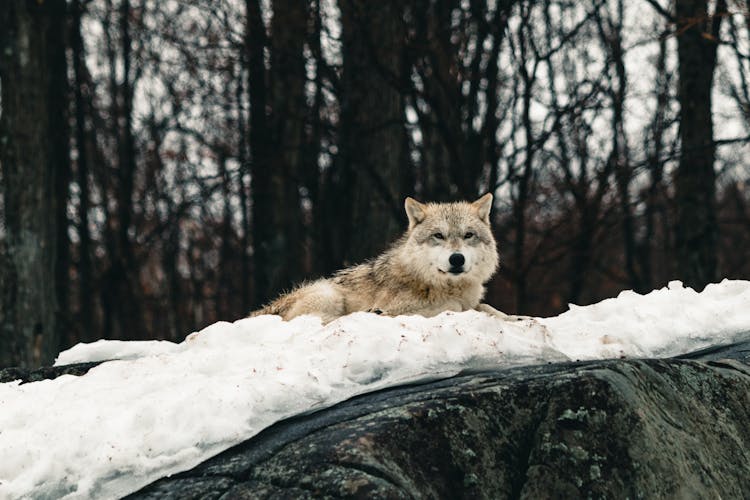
pixel 312 177
pixel 275 142
pixel 373 136
pixel 82 170
pixel 245 300
pixel 288 113
pixel 444 141
pixel 695 181
pixel 260 172
pixel 33 154
pixel 126 269
pixel 226 292
pixel 525 177
pixel 59 139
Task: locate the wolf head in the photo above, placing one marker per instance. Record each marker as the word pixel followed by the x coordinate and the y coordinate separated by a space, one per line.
pixel 451 243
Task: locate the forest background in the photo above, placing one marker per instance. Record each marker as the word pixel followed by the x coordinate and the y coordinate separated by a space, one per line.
pixel 169 164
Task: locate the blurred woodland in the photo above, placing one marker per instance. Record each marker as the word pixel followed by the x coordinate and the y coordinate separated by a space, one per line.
pixel 168 164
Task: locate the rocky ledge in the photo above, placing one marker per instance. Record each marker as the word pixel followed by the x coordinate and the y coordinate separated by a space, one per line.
pixel 45 373
pixel 671 428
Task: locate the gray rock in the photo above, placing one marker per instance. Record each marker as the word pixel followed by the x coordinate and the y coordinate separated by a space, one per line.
pixel 45 373
pixel 675 428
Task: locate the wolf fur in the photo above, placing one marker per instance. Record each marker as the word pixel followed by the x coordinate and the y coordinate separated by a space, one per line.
pixel 417 275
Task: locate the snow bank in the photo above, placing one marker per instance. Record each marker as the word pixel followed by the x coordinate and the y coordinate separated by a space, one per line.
pixel 666 322
pixel 165 407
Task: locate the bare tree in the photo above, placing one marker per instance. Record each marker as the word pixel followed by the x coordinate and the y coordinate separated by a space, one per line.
pixel 277 111
pixel 33 156
pixel 696 230
pixel 82 142
pixel 373 162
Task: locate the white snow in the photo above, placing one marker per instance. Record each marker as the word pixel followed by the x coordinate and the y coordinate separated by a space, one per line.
pixel 163 407
pixel 666 322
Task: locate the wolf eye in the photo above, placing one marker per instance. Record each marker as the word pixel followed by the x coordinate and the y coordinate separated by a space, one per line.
pixel 438 236
pixel 468 236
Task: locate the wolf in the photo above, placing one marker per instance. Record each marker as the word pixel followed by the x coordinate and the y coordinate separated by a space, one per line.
pixel 441 263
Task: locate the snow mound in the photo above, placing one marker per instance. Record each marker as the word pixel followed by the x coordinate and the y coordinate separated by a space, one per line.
pixel 666 322
pixel 162 408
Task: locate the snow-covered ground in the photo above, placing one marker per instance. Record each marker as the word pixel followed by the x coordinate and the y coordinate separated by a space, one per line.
pixel 163 407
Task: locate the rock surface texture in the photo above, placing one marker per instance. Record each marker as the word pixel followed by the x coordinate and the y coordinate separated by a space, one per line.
pixel 44 373
pixel 672 428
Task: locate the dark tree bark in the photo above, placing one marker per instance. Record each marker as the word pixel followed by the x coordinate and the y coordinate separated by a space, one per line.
pixel 654 197
pixel 443 141
pixel 261 175
pixel 457 63
pixel 125 269
pixel 118 284
pixel 82 177
pixel 108 294
pixel 695 181
pixel 33 156
pixel 245 258
pixel 288 113
pixel 59 139
pixel 223 297
pixel 276 125
pixel 374 159
pixel 313 179
pixel 523 184
pixel 611 32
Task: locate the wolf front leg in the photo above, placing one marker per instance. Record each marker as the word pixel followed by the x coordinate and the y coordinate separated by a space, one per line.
pixel 486 308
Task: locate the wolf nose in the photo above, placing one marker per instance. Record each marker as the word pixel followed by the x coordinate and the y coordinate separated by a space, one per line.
pixel 456 260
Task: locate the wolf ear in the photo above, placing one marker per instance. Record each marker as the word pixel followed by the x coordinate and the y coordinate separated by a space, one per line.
pixel 483 206
pixel 415 211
